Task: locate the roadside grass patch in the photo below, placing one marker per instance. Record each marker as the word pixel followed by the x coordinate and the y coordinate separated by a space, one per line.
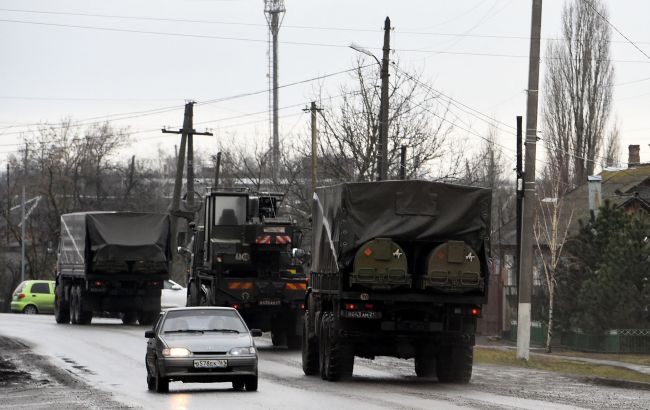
pixel 567 366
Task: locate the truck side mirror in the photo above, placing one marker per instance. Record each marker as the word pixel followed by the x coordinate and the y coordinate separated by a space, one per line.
pixel 299 253
pixel 184 251
pixel 256 332
pixel 149 334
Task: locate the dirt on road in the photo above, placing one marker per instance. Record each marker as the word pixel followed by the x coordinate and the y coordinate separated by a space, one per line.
pixel 30 381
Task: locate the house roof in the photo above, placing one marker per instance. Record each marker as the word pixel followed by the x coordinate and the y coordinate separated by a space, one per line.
pixel 619 187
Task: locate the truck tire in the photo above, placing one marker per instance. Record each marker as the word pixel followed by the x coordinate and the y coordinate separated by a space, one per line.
pixel 129 318
pixel 425 364
pixel 278 337
pixel 61 309
pixel 454 364
pixel 147 318
pixel 193 293
pixel 309 350
pixel 74 305
pixel 337 359
pixel 85 316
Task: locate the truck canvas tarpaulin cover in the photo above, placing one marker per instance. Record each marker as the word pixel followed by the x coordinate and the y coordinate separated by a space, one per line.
pixel 347 215
pixel 102 239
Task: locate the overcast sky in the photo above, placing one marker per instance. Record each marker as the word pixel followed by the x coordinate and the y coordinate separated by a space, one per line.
pixel 91 60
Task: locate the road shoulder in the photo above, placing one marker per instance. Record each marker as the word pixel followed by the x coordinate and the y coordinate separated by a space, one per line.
pixel 28 380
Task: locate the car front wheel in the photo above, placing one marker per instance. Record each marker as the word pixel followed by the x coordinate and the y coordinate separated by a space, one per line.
pixel 161 383
pixel 251 383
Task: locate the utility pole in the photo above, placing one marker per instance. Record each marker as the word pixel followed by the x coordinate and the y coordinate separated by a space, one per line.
pixel 274 10
pixel 186 140
pixel 22 219
pixel 520 195
pixel 8 200
pixel 217 168
pixel 526 261
pixel 402 163
pixel 314 144
pixel 382 164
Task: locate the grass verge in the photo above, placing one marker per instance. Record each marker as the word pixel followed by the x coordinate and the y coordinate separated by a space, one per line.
pixel 566 366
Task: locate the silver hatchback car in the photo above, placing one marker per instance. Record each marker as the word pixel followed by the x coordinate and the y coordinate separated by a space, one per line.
pixel 201 345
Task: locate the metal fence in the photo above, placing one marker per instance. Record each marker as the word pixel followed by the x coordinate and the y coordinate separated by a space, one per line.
pixel 615 341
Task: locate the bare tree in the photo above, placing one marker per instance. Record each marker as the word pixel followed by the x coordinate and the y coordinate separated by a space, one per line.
pixel 349 131
pixel 551 231
pixel 578 92
pixel 612 150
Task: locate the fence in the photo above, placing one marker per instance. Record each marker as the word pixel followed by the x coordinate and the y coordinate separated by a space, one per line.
pixel 615 341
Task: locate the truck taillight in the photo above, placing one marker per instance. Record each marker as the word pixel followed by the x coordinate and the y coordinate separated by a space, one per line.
pixel 236 306
pixel 295 286
pixel 350 306
pixel 21 296
pixel 369 306
pixel 302 306
pixel 475 312
pixel 99 283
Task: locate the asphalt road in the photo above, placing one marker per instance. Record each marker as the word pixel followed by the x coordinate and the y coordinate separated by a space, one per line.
pixel 109 357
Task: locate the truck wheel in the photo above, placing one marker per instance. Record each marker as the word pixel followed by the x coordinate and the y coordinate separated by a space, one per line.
pixel 193 294
pixel 337 359
pixel 309 350
pixel 425 364
pixel 129 318
pixel 278 337
pixel 74 308
pixel 84 316
pixel 147 318
pixel 454 364
pixel 61 309
pixel 294 342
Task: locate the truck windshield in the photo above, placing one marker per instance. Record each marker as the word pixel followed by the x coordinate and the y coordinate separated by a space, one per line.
pixel 230 210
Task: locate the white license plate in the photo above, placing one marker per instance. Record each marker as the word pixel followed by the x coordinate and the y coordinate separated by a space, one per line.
pixel 210 364
pixel 269 302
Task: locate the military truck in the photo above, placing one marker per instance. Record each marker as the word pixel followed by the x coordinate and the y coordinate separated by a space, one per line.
pixel 111 262
pixel 242 256
pixel 399 268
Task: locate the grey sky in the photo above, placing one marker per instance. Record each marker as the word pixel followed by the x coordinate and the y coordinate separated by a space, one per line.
pixel 50 71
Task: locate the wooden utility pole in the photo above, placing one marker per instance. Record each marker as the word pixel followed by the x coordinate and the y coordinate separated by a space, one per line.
pixel 186 140
pixel 526 259
pixel 314 144
pixel 382 147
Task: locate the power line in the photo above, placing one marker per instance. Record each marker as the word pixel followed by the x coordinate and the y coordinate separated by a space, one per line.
pixel 84 122
pixel 615 28
pixel 299 43
pixel 302 27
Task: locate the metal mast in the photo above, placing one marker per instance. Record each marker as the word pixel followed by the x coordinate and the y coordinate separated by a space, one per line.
pixel 274 11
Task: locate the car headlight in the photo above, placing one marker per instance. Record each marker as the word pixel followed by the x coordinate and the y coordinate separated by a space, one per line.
pixel 242 351
pixel 176 352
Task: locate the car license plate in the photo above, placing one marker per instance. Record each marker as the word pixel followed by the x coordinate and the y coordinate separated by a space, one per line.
pixel 269 302
pixel 360 314
pixel 210 364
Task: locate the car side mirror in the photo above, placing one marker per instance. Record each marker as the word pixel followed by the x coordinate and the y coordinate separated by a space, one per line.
pixel 256 332
pixel 177 287
pixel 150 334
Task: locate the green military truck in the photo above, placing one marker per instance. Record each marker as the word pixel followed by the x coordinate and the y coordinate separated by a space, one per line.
pixel 242 256
pixel 399 268
pixel 111 262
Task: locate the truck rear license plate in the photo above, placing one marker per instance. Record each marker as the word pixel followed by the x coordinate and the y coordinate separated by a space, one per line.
pixel 361 314
pixel 269 302
pixel 210 364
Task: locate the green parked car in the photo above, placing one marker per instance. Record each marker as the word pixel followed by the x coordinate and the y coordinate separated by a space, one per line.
pixel 33 296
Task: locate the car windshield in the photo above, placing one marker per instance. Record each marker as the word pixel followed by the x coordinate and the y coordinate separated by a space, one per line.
pixel 203 320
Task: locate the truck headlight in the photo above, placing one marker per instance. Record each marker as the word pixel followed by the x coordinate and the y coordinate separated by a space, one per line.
pixel 176 352
pixel 242 351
